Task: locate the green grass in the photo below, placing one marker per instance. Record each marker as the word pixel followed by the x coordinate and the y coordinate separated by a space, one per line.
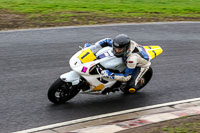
pixel 63 10
pixel 192 127
pixel 166 7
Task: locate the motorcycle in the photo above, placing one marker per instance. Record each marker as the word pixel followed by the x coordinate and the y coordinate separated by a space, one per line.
pixel 86 74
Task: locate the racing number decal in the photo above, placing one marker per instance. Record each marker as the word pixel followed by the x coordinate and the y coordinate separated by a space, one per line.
pixel 85 55
pixel 153 50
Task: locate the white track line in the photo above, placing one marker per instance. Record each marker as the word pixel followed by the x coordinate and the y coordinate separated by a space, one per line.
pixel 103 25
pixel 104 115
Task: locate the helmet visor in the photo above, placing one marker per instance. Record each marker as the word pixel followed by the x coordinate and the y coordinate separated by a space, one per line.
pixel 119 51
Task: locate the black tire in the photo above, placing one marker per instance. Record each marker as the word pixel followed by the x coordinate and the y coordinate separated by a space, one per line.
pixel 147 77
pixel 60 91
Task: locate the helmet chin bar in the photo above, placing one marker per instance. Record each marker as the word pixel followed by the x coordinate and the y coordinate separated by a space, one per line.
pixel 122 53
pixel 118 54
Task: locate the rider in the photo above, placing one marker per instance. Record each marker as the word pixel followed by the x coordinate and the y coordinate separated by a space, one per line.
pixel 134 56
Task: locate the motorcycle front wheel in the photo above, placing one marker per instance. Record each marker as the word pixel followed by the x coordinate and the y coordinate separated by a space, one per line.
pixel 61 91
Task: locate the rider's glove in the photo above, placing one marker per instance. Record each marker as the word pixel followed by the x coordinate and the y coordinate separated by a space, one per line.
pixel 107 74
pixel 87 45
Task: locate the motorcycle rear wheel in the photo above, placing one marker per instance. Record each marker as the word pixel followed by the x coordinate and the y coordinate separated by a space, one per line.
pixel 147 77
pixel 61 91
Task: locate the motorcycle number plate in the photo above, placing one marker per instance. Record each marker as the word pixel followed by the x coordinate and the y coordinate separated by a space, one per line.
pixel 153 50
pixel 87 56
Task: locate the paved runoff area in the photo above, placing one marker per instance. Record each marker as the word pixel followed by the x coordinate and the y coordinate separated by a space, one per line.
pixel 123 120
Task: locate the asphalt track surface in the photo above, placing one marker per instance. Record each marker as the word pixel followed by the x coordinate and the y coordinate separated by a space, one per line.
pixel 31 60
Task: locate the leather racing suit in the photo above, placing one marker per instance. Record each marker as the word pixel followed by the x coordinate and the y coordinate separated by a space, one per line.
pixel 137 62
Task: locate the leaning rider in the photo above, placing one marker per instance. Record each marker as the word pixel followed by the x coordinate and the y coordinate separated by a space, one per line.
pixel 134 56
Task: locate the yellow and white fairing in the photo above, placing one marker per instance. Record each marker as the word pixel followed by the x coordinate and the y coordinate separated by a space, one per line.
pixel 153 51
pixel 82 62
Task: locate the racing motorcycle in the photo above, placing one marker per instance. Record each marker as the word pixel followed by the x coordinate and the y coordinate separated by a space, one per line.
pixel 86 77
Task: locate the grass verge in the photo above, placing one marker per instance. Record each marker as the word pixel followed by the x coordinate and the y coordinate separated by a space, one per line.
pixel 37 13
pixel 190 124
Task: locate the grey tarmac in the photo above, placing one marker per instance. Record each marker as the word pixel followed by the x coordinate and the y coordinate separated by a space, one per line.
pixel 30 61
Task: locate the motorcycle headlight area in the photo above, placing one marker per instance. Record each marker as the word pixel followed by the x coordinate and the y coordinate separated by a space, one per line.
pixel 87 56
